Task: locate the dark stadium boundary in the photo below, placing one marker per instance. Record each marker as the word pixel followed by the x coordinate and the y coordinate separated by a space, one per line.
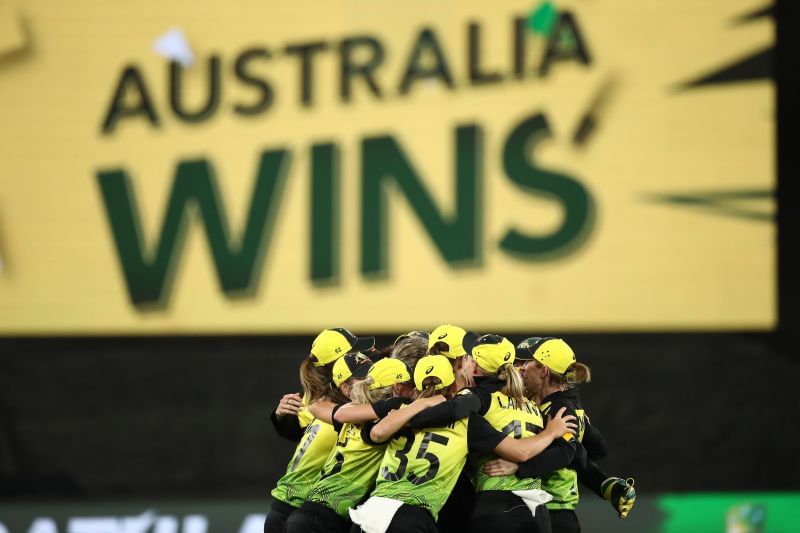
pixel 118 417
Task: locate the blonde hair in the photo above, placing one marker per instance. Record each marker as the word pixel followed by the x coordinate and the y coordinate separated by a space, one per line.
pixel 515 385
pixel 460 371
pixel 361 394
pixel 576 374
pixel 410 350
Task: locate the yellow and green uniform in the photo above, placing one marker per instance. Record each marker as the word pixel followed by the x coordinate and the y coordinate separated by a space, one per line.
pixel 420 467
pixel 509 417
pixel 349 472
pixel 563 483
pixel 310 455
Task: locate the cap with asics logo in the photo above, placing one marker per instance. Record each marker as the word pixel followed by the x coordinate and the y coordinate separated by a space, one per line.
pixel 492 352
pixel 451 341
pixel 436 366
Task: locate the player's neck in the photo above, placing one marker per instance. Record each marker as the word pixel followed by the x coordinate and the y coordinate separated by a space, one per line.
pixel 548 389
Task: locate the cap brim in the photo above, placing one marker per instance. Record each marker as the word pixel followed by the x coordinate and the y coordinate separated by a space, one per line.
pixel 363 343
pixel 468 343
pixel 360 372
pixel 523 354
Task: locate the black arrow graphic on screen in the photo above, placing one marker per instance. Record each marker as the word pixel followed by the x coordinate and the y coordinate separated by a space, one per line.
pixel 752 204
pixel 755 66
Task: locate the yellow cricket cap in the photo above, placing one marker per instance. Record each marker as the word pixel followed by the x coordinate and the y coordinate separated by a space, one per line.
pixel 387 372
pixel 555 354
pixel 493 351
pixel 352 365
pixel 527 348
pixel 458 341
pixel 434 366
pixel 333 343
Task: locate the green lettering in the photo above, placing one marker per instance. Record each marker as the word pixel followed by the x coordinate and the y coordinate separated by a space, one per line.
pixel 577 201
pixel 456 236
pixel 324 213
pixel 149 273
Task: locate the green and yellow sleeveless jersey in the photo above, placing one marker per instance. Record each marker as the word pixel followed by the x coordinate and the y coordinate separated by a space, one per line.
pixel 563 483
pixel 349 472
pixel 309 457
pixel 420 467
pixel 509 417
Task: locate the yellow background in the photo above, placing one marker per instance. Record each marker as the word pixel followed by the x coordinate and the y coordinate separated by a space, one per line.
pixel 647 265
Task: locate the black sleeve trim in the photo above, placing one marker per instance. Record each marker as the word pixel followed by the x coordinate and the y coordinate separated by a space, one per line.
pixel 592 476
pixel 337 426
pixel 481 436
pixel 287 427
pixel 366 429
pixel 485 398
pixel 384 407
pixel 454 409
pixel 594 442
pixel 558 455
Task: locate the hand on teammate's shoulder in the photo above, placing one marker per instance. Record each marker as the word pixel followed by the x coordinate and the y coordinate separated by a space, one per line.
pixel 290 404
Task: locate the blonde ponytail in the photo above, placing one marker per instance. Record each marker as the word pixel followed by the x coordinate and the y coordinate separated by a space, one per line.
pixel 578 373
pixel 515 386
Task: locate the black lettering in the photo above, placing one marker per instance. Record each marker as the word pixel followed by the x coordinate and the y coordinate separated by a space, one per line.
pixel 402 456
pixel 176 86
pixel 565 43
pixel 476 75
pixel 432 458
pixel 520 34
pixel 131 79
pixel 336 468
pixel 350 68
pixel 266 95
pixel 306 54
pixel 426 42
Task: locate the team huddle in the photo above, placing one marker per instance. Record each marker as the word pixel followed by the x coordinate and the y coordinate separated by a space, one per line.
pixel 441 431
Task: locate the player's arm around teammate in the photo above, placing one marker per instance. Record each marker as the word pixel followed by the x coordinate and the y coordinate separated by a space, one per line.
pixel 316 372
pixel 552 375
pixel 420 468
pixel 562 453
pixel 286 417
pixel 509 503
pixel 350 469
